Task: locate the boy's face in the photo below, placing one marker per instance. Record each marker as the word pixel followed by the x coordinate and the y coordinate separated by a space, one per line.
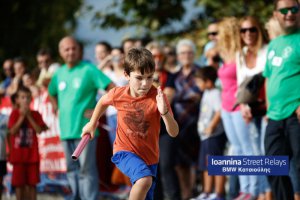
pixel 200 83
pixel 23 99
pixel 204 84
pixel 139 83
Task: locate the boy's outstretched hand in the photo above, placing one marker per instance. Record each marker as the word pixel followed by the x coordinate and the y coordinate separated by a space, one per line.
pixel 161 102
pixel 89 128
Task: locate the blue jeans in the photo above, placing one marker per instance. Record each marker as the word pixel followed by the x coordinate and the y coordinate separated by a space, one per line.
pixel 237 132
pixel 82 174
pixel 257 132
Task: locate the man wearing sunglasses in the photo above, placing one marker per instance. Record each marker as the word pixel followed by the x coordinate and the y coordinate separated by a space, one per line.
pixel 282 72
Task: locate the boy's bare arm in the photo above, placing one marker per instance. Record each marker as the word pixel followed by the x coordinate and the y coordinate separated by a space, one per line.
pixel 170 93
pixel 170 122
pixel 36 126
pixel 91 126
pixel 15 128
pixel 214 122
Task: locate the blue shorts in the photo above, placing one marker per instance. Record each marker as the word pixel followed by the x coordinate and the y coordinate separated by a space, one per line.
pixel 135 168
pixel 213 146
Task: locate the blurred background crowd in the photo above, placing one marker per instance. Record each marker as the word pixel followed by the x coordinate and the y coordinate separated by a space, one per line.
pixel 235 48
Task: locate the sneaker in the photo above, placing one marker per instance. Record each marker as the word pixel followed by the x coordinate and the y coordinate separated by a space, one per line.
pixel 241 196
pixel 245 196
pixel 202 196
pixel 214 196
pixel 250 197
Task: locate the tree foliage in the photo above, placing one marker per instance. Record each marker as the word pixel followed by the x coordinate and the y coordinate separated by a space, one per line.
pixel 156 15
pixel 29 25
pixel 218 9
pixel 147 15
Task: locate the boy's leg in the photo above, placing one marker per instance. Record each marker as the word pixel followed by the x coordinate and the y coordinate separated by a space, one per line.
pixel 18 180
pixel 141 175
pixel 208 182
pixel 140 188
pixel 20 192
pixel 33 178
pixel 220 185
pixel 31 192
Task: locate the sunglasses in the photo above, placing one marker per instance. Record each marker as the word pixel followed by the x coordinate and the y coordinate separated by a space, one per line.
pixel 251 30
pixel 212 33
pixel 284 11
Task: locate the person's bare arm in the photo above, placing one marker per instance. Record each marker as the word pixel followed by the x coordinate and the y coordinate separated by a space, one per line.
pixel 106 62
pixel 13 87
pixel 8 143
pixel 110 86
pixel 246 112
pixel 214 122
pixel 170 93
pixel 170 122
pixel 91 126
pixel 298 113
pixel 16 127
pixel 53 101
pixel 267 102
pixel 36 126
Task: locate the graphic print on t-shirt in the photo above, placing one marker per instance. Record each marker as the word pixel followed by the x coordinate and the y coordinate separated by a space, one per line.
pixel 25 137
pixel 135 120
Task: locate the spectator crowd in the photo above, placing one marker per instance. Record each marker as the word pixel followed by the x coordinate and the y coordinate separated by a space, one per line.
pixel 208 97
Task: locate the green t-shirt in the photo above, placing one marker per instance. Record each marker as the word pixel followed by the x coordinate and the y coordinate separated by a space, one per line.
pixel 283 76
pixel 76 89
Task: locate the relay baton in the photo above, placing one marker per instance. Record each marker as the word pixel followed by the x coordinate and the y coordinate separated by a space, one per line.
pixel 83 142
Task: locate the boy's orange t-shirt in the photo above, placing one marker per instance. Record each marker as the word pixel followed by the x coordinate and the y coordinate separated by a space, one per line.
pixel 138 124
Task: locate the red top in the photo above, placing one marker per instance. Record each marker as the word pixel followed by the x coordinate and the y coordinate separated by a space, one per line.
pixel 24 144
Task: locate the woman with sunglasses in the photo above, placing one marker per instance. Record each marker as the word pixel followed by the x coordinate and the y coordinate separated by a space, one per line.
pixel 237 131
pixel 250 61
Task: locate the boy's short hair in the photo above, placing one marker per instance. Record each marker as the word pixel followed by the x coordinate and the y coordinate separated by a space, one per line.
pixel 207 73
pixel 14 96
pixel 139 59
pixel 23 89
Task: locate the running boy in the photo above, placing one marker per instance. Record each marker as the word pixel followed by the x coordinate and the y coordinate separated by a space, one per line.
pixel 23 126
pixel 211 132
pixel 140 106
